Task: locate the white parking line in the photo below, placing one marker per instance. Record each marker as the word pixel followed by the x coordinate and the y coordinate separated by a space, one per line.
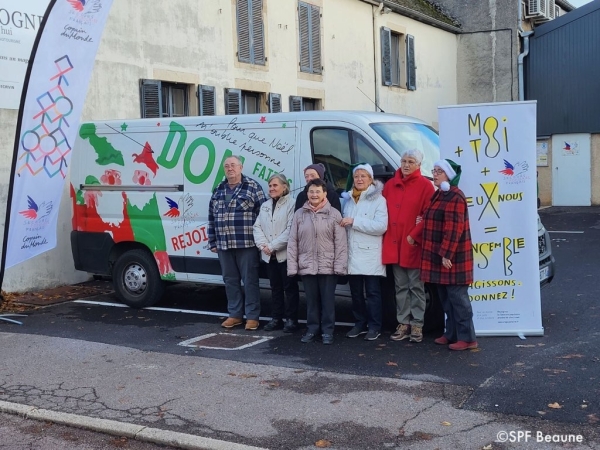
pixel 567 232
pixel 257 340
pixel 186 311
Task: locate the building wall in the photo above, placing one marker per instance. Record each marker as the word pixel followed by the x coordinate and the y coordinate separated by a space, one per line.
pixel 562 68
pixel 487 59
pixel 545 173
pixel 179 42
pixel 545 178
pixel 560 72
pixel 595 175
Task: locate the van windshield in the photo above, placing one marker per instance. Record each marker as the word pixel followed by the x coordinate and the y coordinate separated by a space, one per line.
pixel 404 136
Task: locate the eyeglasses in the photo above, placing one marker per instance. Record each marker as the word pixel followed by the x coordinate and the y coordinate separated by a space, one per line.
pixel 437 171
pixel 404 162
pixel 230 166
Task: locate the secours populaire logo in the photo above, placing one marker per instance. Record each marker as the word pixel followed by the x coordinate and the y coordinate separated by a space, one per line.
pixel 36 216
pixel 515 173
pixel 86 6
pixel 181 211
pixel 84 12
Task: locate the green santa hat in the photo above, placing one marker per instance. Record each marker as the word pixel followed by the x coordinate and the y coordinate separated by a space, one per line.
pixel 452 171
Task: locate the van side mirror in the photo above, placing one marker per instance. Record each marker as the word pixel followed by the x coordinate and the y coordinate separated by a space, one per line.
pixel 382 171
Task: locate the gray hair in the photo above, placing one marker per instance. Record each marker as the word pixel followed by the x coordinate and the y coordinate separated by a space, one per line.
pixel 281 177
pixel 239 159
pixel 413 153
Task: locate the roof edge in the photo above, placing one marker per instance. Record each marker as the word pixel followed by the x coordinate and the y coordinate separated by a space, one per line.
pixel 416 15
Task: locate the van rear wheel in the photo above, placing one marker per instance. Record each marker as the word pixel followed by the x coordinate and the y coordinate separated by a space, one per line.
pixel 136 279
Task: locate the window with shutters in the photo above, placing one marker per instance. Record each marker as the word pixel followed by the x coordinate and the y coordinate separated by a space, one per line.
pixel 274 102
pixel 298 103
pixel 244 102
pixel 164 99
pixel 206 100
pixel 250 31
pixel 309 24
pixel 397 59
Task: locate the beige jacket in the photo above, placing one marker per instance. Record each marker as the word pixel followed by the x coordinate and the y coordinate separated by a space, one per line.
pixel 272 228
pixel 317 244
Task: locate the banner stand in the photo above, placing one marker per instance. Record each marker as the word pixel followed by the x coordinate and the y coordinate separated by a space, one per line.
pixel 16 151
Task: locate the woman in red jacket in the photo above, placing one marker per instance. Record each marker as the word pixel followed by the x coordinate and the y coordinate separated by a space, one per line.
pixel 447 258
pixel 407 196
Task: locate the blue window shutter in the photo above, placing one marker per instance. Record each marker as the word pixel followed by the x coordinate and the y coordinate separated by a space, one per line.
pixel 206 100
pixel 386 56
pixel 257 32
pixel 304 36
pixel 411 68
pixel 233 101
pixel 274 102
pixel 243 30
pixel 295 103
pixel 151 98
pixel 315 39
pixel 309 20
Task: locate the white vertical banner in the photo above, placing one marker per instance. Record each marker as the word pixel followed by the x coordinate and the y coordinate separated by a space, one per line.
pixel 56 90
pixel 495 143
pixel 19 24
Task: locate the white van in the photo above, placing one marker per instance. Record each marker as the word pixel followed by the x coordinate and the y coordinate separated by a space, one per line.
pixel 140 188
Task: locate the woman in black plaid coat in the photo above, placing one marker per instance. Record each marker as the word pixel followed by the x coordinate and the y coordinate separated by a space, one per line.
pixel 447 260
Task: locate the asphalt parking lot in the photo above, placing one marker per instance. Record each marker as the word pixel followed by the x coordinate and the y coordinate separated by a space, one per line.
pixel 506 375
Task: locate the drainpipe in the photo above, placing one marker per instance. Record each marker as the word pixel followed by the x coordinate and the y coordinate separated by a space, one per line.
pixel 376 12
pixel 525 35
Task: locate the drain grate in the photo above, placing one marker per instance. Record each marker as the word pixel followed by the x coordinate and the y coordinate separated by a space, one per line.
pixel 224 341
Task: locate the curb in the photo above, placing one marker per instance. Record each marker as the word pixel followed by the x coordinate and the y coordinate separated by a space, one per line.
pixel 123 429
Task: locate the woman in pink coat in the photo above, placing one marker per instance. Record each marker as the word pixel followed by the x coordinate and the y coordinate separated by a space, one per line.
pixel 407 195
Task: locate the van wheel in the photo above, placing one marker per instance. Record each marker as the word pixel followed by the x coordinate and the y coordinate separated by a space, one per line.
pixel 434 314
pixel 136 279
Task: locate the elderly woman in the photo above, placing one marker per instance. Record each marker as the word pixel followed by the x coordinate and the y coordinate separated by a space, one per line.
pixel 407 195
pixel 271 232
pixel 313 172
pixel 365 219
pixel 447 260
pixel 318 252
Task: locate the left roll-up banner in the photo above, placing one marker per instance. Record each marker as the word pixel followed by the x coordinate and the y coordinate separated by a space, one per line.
pixel 53 96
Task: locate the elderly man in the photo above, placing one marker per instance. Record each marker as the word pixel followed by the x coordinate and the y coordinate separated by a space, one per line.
pixel 233 209
pixel 407 196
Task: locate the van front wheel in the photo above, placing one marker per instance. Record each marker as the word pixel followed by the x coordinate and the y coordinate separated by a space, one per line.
pixel 136 279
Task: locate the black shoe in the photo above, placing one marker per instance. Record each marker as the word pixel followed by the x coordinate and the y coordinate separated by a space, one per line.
pixel 372 335
pixel 355 332
pixel 327 339
pixel 290 326
pixel 274 324
pixel 308 337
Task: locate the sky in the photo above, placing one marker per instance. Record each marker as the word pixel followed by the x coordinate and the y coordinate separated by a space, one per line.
pixel 578 2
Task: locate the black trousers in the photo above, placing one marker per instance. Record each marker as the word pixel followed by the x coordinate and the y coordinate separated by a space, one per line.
pixel 320 302
pixel 284 306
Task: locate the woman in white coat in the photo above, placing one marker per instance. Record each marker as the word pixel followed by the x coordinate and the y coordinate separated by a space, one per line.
pixel 365 218
pixel 271 232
